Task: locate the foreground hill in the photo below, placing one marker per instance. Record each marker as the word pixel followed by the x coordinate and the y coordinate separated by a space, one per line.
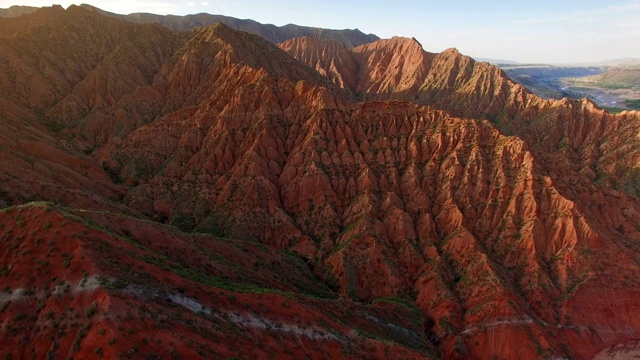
pixel 86 284
pixel 429 183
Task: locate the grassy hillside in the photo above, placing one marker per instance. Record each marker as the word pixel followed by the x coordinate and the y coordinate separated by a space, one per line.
pixel 618 78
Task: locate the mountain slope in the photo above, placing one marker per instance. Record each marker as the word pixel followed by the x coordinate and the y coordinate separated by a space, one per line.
pixel 463 87
pixel 37 166
pixel 115 287
pixel 618 77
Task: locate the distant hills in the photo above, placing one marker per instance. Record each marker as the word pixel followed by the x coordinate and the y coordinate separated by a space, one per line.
pixel 622 76
pixel 17 11
pixel 543 80
pixel 611 62
pixel 611 85
pixel 496 61
pixel 275 34
pixel 348 38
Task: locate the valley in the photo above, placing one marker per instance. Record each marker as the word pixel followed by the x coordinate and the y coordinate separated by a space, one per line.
pixel 614 87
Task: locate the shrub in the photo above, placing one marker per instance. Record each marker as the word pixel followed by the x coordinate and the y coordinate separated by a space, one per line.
pixel 183 222
pixel 460 346
pixel 66 262
pixel 91 310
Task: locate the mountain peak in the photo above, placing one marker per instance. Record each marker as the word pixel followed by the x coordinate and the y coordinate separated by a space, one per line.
pixel 452 52
pixel 406 40
pixel 385 66
pixel 73 8
pixel 218 30
pixel 396 42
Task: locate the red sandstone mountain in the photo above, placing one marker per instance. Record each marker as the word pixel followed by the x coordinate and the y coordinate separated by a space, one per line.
pixel 446 186
pixel 86 284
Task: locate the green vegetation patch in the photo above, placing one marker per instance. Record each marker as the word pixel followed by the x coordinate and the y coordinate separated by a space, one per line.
pixel 613 110
pixel 633 104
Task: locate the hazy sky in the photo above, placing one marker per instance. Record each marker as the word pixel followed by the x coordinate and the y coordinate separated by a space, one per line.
pixel 546 31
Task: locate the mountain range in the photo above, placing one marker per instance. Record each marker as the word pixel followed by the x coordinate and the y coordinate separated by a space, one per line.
pixel 212 193
pixel 275 34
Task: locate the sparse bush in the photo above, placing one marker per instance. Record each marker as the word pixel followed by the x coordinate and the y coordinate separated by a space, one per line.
pixel 66 260
pixel 91 310
pixel 20 221
pixel 183 221
pixel 460 347
pixel 113 173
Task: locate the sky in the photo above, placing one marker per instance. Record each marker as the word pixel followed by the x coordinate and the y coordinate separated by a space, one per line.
pixel 543 31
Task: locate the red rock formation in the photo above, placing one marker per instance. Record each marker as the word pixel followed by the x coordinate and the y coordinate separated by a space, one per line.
pixel 93 284
pixel 451 187
pixel 40 162
pixel 400 69
pixel 327 57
